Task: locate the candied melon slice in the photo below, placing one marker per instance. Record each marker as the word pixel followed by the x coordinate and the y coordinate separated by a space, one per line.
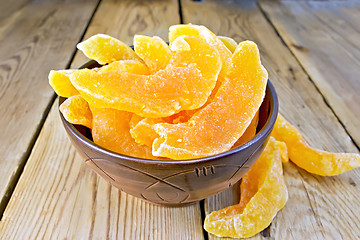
pixel 111 131
pixel 229 43
pixel 162 94
pixel 263 194
pixel 77 111
pixel 216 127
pixel 130 66
pixel 201 32
pixel 153 50
pixel 312 160
pixel 185 84
pixel 60 82
pixel 106 49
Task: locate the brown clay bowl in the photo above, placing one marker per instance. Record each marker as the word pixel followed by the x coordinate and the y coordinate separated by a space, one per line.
pixel 175 183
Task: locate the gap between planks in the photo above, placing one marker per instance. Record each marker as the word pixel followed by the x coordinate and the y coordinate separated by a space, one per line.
pixel 305 190
pixel 12 184
pixel 129 200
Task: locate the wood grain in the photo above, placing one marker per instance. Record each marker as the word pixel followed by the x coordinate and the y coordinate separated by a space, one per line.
pixel 318 207
pixel 58 197
pixel 35 36
pixel 325 38
pixel 124 19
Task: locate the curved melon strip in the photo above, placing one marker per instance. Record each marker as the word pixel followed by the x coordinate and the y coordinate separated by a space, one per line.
pixel 106 49
pixel 216 127
pixel 312 160
pixel 60 80
pixel 263 194
pixel 159 95
pixel 185 84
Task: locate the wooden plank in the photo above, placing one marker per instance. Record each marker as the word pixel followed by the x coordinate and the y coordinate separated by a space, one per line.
pixel 59 197
pixel 325 37
pixel 35 36
pixel 318 207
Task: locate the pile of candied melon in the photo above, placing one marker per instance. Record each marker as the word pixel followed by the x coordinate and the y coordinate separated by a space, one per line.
pixel 197 96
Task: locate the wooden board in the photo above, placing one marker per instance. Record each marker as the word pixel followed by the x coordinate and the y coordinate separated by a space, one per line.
pixel 58 197
pixel 34 37
pixel 318 207
pixel 325 38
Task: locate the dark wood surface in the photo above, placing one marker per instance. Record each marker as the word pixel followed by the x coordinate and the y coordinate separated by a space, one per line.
pixel 310 48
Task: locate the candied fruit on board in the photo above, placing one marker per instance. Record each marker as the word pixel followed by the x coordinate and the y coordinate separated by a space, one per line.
pixel 263 194
pixel 312 160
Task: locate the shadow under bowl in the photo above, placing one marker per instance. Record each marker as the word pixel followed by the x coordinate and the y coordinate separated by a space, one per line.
pixel 175 183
